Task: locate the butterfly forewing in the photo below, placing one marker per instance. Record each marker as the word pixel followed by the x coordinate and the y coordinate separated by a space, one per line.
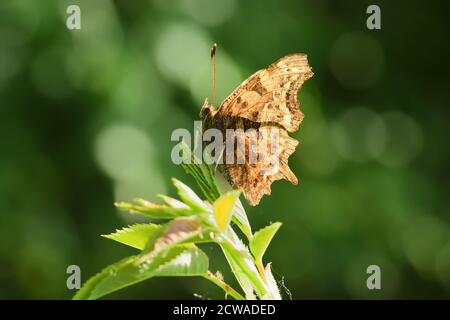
pixel 270 95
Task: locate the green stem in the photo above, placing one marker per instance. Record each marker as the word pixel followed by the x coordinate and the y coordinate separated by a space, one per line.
pixel 225 287
pixel 242 258
pixel 259 265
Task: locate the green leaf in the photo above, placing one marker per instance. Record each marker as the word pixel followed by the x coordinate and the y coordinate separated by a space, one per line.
pixel 261 240
pixel 153 210
pixel 239 273
pixel 218 280
pixel 242 265
pixel 188 263
pixel 202 174
pixel 174 203
pixel 241 220
pixel 274 292
pixel 136 235
pixel 213 185
pixel 239 214
pixel 183 260
pixel 179 230
pixel 223 208
pixel 189 196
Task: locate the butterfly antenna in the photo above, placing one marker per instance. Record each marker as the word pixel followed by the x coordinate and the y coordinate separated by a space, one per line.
pixel 213 62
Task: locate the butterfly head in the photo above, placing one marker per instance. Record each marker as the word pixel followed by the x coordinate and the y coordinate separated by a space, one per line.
pixel 207 111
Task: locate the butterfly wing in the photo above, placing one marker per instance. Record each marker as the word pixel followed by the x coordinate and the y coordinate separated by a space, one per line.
pixel 266 102
pixel 270 95
pixel 274 146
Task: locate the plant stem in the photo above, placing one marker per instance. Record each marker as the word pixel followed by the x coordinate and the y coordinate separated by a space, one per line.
pixel 242 258
pixel 225 287
pixel 260 267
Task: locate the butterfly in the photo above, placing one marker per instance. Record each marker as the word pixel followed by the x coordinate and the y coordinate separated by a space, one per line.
pixel 263 106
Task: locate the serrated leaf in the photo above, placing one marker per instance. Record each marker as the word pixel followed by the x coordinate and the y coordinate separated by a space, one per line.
pixel 213 185
pixel 242 265
pixel 136 235
pixel 240 275
pixel 223 208
pixel 241 220
pixel 174 203
pixel 274 292
pixel 177 231
pixel 183 260
pixel 183 264
pixel 179 210
pixel 155 210
pixel 189 196
pixel 261 240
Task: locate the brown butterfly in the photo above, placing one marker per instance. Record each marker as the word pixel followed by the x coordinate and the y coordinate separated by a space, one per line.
pixel 264 104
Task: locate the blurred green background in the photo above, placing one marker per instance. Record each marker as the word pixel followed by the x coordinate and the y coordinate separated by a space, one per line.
pixel 86 117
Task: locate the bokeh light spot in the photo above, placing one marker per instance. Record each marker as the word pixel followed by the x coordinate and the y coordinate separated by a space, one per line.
pixel 95 58
pixel 123 152
pixel 24 15
pixel 357 60
pixel 146 186
pixel 139 95
pixel 327 221
pixel 359 134
pixel 319 157
pixel 404 139
pixel 181 50
pixel 443 265
pixel 422 239
pixel 209 13
pixel 11 58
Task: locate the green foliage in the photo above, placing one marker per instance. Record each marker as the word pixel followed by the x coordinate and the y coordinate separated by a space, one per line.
pixel 183 260
pixel 189 197
pixel 273 288
pixel 262 239
pixel 201 173
pixel 135 236
pixel 86 115
pixel 213 186
pixel 169 248
pixel 155 211
pixel 223 209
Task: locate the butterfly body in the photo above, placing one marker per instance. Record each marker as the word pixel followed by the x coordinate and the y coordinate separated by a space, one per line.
pixel 261 111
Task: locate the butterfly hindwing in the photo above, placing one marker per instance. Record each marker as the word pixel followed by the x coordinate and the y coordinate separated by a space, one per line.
pixel 256 178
